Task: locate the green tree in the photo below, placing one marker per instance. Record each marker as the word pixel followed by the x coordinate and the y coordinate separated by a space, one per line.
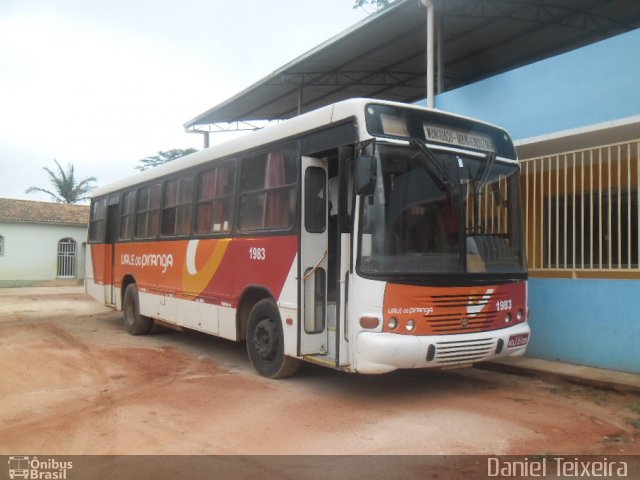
pixel 163 157
pixel 66 187
pixel 377 4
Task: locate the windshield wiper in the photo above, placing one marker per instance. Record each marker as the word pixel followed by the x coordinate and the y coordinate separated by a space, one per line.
pixel 483 173
pixel 440 177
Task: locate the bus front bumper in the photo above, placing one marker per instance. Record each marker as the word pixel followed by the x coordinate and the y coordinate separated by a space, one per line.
pixel 378 352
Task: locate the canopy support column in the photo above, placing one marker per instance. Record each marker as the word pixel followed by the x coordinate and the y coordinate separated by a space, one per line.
pixel 300 88
pixel 430 51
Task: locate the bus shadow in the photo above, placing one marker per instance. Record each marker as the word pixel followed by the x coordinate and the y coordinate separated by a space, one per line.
pixel 231 355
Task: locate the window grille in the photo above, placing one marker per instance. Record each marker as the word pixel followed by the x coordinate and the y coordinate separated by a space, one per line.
pixel 581 209
pixel 66 258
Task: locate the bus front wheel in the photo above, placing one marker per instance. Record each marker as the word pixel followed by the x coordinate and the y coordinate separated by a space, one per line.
pixel 265 342
pixel 135 323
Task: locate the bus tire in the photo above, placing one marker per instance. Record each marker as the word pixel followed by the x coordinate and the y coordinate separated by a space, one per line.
pixel 265 342
pixel 135 323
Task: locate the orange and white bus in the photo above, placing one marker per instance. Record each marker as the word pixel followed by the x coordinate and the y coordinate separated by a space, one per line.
pixel 366 236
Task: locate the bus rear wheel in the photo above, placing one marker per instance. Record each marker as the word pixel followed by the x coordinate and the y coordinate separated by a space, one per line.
pixel 265 342
pixel 135 323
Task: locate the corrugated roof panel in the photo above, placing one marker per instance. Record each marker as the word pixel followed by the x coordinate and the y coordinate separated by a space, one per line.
pixel 480 38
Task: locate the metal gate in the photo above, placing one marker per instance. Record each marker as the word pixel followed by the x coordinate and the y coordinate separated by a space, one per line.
pixel 66 258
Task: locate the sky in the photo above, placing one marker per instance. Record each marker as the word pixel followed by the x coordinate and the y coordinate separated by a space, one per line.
pixel 101 85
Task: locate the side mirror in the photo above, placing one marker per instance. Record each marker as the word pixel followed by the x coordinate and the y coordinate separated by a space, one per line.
pixel 365 175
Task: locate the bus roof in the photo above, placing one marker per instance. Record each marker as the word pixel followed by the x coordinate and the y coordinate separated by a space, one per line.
pixel 308 121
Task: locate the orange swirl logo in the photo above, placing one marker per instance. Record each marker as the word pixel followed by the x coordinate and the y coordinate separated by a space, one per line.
pixel 197 275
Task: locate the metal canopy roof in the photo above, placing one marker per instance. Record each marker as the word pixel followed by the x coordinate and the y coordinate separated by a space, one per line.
pixel 383 56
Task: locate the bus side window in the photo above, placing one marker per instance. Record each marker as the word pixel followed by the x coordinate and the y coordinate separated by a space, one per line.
pixel 97 227
pixel 268 191
pixel 185 201
pixel 153 228
pixel 215 199
pixel 176 206
pixel 315 205
pixel 142 212
pixel 127 217
pixel 148 212
pixel 169 203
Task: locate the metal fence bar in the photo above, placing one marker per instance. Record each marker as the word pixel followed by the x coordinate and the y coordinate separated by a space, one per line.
pixel 573 210
pixel 591 197
pixel 564 211
pixel 582 229
pixel 619 213
pixel 609 229
pixel 532 249
pixel 526 211
pixel 629 192
pixel 600 251
pixel 556 263
pixel 549 218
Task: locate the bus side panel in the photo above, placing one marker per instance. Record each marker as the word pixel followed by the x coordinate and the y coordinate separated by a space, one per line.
pixel 173 276
pixel 99 272
pixel 92 287
pixel 288 305
pixel 260 261
pixel 100 253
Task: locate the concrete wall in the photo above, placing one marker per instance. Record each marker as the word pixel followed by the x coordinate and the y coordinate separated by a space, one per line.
pixel 587 322
pixel 594 84
pixel 31 251
pixel 590 322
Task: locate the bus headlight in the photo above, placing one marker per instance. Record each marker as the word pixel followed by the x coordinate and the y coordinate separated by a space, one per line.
pixel 508 318
pixel 392 323
pixel 519 315
pixel 410 325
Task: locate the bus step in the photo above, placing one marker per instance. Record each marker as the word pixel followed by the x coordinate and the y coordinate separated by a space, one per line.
pixel 324 360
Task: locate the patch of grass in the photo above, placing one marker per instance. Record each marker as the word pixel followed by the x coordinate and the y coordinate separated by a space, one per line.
pixel 613 438
pixel 634 422
pixel 635 408
pixel 599 397
pixel 554 390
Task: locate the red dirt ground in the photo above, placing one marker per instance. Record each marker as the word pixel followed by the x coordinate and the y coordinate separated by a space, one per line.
pixel 73 382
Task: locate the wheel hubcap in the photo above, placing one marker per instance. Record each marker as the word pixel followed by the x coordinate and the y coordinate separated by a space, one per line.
pixel 265 339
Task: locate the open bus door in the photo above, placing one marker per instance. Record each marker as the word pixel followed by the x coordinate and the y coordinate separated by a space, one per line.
pixel 313 258
pixel 111 236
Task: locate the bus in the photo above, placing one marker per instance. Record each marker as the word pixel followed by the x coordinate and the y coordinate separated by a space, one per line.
pixel 365 236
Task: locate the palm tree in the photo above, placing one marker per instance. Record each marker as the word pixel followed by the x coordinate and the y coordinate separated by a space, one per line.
pixel 66 187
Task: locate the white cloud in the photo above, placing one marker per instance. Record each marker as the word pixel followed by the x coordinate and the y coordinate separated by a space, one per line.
pixel 103 84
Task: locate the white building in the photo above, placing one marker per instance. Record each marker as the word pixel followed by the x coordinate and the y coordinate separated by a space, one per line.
pixel 41 241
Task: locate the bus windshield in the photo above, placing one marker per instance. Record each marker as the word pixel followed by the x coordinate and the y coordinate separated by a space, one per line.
pixel 441 213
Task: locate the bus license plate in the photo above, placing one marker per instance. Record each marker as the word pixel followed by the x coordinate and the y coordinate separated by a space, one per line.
pixel 518 340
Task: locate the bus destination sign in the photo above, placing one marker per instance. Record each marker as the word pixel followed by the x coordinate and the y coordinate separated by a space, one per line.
pixel 455 137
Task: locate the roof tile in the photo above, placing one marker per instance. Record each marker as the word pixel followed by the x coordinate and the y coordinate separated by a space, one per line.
pixel 28 211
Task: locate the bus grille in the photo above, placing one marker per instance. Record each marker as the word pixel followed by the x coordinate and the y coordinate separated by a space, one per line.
pixel 464 351
pixel 469 314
